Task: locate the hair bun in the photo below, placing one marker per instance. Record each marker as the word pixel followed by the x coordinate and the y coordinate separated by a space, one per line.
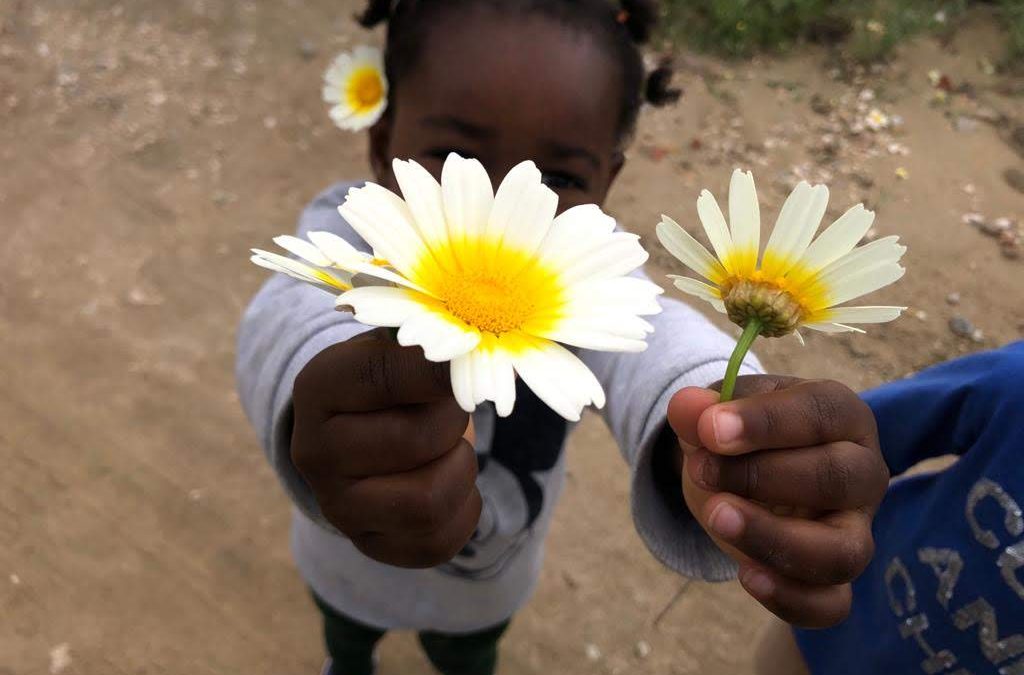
pixel 640 17
pixel 376 13
pixel 659 90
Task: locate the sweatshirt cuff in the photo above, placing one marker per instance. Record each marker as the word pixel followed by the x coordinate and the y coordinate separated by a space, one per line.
pixel 280 441
pixel 667 527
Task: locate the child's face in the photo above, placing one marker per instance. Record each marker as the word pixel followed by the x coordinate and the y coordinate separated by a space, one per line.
pixel 503 89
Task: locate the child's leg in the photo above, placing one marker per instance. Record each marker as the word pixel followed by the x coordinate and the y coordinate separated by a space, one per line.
pixel 471 654
pixel 350 644
pixel 777 653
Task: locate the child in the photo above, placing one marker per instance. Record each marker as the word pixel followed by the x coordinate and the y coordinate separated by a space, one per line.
pixel 945 593
pixel 401 523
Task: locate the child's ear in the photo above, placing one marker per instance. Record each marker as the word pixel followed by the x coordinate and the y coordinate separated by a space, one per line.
pixel 380 150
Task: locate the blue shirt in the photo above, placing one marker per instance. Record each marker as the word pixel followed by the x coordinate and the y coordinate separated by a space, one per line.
pixel 945 592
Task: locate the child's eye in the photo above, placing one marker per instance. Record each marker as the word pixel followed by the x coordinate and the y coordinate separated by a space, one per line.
pixel 559 180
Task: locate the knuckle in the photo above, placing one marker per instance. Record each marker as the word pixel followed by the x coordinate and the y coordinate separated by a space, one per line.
pixel 834 475
pixel 825 407
pixel 855 554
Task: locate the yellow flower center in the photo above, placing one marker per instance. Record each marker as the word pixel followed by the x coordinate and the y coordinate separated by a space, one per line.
pixel 495 289
pixel 365 89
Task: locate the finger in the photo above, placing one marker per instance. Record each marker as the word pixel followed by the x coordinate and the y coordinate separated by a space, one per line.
pixel 828 477
pixel 424 551
pixel 800 604
pixel 684 411
pixel 371 373
pixel 421 501
pixel 832 550
pixel 807 413
pixel 358 445
pixel 751 385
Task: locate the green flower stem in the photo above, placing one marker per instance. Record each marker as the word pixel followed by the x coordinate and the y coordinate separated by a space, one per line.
pixel 750 333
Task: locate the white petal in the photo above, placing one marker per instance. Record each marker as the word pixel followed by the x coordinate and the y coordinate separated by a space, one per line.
pixel 700 290
pixel 606 334
pixel 320 278
pixel 381 218
pixel 798 221
pixel 714 225
pixel 863 271
pixel 383 305
pixel 441 336
pixel 303 249
pixel 574 234
pixel 485 374
pixel 744 213
pixel 340 115
pixel 849 315
pixel 524 209
pixel 839 239
pixel 557 376
pixel 619 254
pixel 423 197
pixel 832 328
pixel 338 251
pixel 688 250
pixel 462 381
pixel 631 294
pixel 468 196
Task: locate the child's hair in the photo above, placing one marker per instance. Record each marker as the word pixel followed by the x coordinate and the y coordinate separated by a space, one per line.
pixel 623 28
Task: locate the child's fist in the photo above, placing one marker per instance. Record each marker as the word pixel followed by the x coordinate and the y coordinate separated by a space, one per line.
pixel 786 480
pixel 380 440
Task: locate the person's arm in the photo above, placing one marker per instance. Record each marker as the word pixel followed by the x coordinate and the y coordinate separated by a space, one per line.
pixel 286 324
pixel 942 410
pixel 685 350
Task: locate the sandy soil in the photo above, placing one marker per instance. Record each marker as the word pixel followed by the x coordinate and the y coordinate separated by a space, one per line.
pixel 146 145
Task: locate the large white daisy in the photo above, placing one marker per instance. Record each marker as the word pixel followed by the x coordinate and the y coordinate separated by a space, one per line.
pixel 492 282
pixel 356 88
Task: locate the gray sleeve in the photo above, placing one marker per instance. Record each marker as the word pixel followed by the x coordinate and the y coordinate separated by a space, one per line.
pixel 285 326
pixel 685 350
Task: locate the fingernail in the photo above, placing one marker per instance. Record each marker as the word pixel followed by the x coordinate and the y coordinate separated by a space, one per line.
pixel 726 521
pixel 728 427
pixel 758 583
pixel 709 471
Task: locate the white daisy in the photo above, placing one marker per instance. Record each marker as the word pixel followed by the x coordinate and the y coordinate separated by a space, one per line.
pixel 357 88
pixel 795 282
pixel 491 281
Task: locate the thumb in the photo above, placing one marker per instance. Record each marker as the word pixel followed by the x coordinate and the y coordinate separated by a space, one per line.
pixel 685 410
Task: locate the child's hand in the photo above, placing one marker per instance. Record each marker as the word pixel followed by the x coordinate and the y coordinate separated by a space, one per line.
pixel 379 438
pixel 786 480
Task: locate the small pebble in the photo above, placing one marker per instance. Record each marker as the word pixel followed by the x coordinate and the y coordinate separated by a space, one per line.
pixel 978 336
pixel 902 173
pixel 975 219
pixel 60 658
pixel 307 50
pixel 961 327
pixel 953 299
pixel 642 649
pixel 15 580
pixel 593 652
pixel 921 315
pixel 1015 179
pixel 965 125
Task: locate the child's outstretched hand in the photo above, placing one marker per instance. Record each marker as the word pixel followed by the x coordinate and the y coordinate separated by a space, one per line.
pixel 786 479
pixel 379 438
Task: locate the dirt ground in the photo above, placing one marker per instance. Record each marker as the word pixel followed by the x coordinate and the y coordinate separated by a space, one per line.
pixel 146 145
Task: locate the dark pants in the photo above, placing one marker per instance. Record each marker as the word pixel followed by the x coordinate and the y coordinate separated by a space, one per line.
pixel 350 645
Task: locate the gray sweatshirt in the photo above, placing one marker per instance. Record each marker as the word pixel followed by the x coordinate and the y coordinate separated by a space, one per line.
pixel 522 463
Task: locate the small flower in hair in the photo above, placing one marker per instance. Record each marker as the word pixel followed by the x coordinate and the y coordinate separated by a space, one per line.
pixel 357 88
pixel 622 16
